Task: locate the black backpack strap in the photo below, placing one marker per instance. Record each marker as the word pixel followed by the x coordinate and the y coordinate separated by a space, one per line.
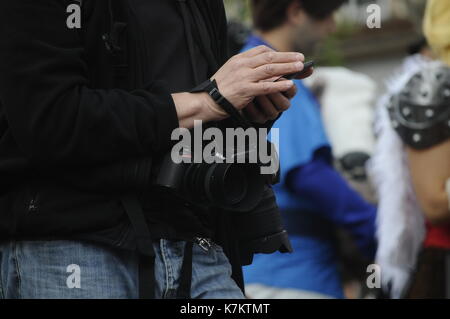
pixel 189 38
pixel 147 280
pixel 184 288
pixel 194 23
pixel 115 43
pixel 205 41
pixel 144 242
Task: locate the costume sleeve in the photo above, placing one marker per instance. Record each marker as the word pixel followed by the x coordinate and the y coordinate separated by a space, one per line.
pixel 336 201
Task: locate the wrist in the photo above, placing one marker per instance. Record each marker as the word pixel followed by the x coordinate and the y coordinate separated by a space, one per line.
pixel 218 105
pixel 193 107
pixel 211 109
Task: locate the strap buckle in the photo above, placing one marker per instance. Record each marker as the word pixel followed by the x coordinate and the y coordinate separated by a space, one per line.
pixel 204 243
pixel 216 95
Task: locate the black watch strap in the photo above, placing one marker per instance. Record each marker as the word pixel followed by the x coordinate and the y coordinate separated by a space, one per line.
pixel 210 87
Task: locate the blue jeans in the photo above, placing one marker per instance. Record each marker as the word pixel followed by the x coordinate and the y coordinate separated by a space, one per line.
pixel 74 269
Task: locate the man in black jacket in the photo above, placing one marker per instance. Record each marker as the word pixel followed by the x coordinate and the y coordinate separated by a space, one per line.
pixel 85 114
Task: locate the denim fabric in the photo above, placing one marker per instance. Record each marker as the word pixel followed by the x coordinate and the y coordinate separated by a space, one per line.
pixel 73 269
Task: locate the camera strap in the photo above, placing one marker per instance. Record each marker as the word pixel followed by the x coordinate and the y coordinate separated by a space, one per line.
pixel 185 283
pixel 144 243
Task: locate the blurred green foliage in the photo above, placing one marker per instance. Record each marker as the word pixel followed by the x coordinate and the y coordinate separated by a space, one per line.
pixel 239 10
pixel 330 53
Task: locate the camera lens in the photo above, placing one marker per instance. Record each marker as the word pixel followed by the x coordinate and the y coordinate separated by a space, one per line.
pixel 234 185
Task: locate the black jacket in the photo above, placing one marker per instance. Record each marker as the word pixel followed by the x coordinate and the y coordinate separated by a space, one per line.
pixel 72 140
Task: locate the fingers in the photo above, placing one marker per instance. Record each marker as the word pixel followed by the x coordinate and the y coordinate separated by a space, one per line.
pixel 279 69
pixel 265 105
pixel 254 114
pixel 291 93
pixel 265 108
pixel 266 88
pixel 280 102
pixel 268 107
pixel 272 57
pixel 256 51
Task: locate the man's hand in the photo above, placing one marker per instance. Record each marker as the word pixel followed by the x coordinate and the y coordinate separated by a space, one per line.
pixel 253 73
pixel 268 107
pixel 249 82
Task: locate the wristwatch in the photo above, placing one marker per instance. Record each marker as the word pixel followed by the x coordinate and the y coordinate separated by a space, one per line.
pixel 210 87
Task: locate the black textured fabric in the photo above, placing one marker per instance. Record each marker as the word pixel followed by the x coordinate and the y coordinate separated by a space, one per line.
pixel 71 139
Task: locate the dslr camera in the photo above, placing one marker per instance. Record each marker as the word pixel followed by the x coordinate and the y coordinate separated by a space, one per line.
pixel 235 184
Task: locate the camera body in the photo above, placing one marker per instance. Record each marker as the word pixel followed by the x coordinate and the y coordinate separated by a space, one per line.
pixel 220 182
pixel 235 185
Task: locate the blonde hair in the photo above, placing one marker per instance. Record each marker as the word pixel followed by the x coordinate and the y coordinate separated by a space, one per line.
pixel 437 28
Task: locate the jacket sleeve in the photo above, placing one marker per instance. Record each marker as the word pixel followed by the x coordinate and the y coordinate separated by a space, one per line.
pixel 53 113
pixel 336 201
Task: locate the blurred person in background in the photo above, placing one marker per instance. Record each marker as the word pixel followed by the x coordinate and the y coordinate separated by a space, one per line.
pixel 315 200
pixel 411 168
pixel 347 103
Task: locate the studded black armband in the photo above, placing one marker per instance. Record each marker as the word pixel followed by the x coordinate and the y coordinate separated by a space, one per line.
pixel 420 113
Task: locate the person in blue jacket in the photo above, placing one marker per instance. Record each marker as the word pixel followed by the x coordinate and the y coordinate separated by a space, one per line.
pixel 312 195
